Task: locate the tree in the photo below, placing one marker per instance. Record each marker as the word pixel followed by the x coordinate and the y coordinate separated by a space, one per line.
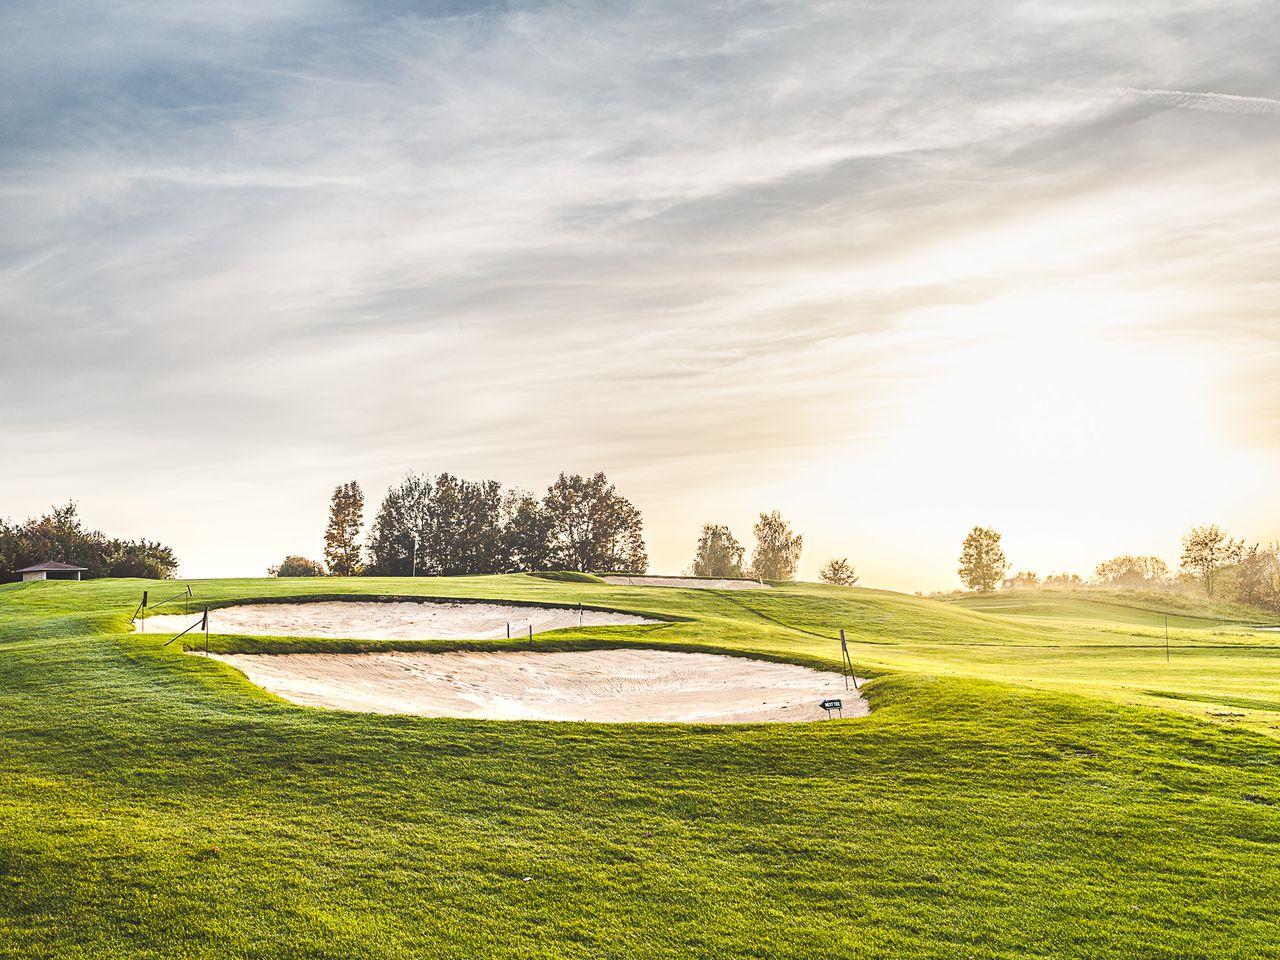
pixel 719 553
pixel 438 527
pixel 777 552
pixel 341 537
pixel 839 572
pixel 526 533
pixel 1258 576
pixel 295 566
pixel 982 561
pixel 60 536
pixel 1206 550
pixel 593 527
pixel 402 524
pixel 464 532
pixel 1024 580
pixel 140 558
pixel 1129 571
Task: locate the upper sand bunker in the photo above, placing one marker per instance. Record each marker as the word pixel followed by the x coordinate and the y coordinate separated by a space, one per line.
pixel 426 620
pixel 599 685
pixel 692 583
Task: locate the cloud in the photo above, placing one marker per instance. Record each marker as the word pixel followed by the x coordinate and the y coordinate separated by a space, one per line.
pixel 674 241
pixel 1216 102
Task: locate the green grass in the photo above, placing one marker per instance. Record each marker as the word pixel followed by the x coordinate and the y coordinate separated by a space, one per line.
pixel 1032 782
pixel 567 576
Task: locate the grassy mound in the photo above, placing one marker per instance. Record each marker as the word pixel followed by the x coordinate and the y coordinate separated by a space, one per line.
pixel 1116 606
pixel 567 576
pixel 1027 786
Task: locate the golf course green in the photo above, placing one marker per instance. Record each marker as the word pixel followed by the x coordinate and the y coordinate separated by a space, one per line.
pixel 1041 775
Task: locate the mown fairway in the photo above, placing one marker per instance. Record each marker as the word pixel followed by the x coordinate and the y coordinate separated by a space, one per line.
pixel 1034 780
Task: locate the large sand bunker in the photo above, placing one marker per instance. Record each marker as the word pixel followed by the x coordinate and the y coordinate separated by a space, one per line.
pixel 600 685
pixel 691 583
pixel 410 620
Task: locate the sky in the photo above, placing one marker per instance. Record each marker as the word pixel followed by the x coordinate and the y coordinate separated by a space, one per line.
pixel 892 268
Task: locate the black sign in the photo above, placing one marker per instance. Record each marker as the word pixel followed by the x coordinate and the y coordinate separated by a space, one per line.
pixel 832 704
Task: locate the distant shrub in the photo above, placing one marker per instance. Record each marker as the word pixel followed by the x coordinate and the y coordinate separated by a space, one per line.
pixel 1127 571
pixel 139 558
pixel 838 572
pixel 1063 581
pixel 294 566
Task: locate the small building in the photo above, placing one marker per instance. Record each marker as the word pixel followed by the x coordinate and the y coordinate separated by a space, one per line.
pixel 52 571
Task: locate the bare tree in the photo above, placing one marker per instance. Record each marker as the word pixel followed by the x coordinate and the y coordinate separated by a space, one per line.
pixel 1206 550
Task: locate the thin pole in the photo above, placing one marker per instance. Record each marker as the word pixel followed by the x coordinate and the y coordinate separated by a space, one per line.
pixel 202 622
pixel 206 631
pixel 847 663
pixel 508 629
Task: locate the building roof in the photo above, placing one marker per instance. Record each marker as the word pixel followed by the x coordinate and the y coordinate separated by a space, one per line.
pixel 51 565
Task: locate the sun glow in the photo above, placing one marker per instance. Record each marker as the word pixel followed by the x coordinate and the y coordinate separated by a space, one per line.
pixel 1030 413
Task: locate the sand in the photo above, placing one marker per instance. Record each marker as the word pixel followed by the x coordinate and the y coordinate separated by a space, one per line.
pixel 391 621
pixel 599 685
pixel 691 583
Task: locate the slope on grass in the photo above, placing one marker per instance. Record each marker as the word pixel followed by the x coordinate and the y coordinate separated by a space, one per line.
pixel 154 804
pixel 1148 607
pixel 688 583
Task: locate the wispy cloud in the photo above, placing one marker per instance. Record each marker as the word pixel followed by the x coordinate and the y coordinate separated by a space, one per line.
pixel 1216 102
pixel 697 245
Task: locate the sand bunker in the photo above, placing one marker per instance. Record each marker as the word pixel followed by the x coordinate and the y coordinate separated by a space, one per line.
pixel 598 685
pixel 392 621
pixel 691 583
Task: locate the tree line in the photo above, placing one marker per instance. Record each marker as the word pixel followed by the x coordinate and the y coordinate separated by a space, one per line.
pixel 1212 563
pixel 448 526
pixel 61 536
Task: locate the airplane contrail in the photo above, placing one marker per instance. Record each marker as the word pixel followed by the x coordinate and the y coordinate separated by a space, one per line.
pixel 1217 102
